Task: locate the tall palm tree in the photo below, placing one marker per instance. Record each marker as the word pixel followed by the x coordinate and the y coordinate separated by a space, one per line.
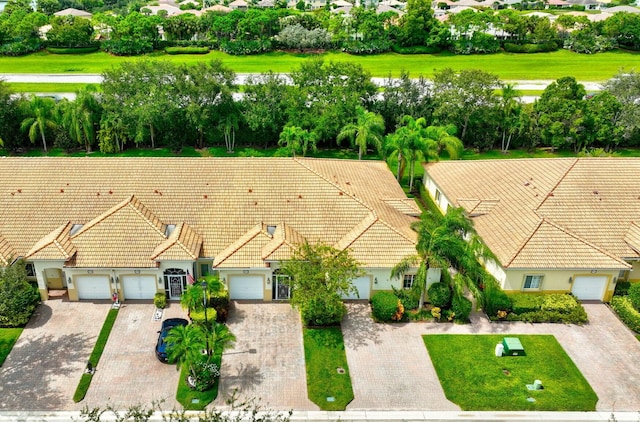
pixel 294 139
pixel 368 130
pixel 444 139
pixel 40 114
pixel 510 107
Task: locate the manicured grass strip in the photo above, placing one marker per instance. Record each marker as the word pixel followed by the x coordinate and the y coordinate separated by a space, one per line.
pixel 324 357
pixel 475 379
pixel 85 380
pixel 25 87
pixel 553 65
pixel 8 337
pixel 186 396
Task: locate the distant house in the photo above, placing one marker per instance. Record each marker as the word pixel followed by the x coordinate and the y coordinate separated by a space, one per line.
pixel 74 12
pixel 561 4
pixel 555 225
pixel 265 3
pixel 627 9
pixel 218 8
pixel 239 5
pixel 588 4
pixel 138 227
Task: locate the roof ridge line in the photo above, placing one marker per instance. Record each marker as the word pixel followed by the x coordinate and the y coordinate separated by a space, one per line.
pixel 575 161
pixel 137 211
pixel 103 216
pixel 524 243
pixel 248 239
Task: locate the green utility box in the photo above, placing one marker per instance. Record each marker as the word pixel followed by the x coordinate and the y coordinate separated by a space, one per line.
pixel 512 347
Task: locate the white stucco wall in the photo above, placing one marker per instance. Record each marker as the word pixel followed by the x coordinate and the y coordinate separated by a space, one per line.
pixel 442 201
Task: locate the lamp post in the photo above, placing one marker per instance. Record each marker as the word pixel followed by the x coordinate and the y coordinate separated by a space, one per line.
pixel 206 321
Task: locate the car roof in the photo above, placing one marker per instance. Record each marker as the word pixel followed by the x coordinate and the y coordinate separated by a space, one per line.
pixel 172 322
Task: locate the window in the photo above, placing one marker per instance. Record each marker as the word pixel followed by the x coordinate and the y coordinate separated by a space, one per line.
pixel 438 195
pixel 408 281
pixel 31 270
pixel 532 282
pixel 204 270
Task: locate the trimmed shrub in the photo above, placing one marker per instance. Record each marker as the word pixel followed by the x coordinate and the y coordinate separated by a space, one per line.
pixel 367 47
pixel 186 50
pixel 127 47
pixel 21 48
pixel 75 50
pixel 323 311
pixel 439 295
pixel 622 288
pixel 627 313
pixel 409 298
pixel 384 306
pixel 461 307
pixel 416 49
pixel 495 299
pixel 523 302
pixel 160 300
pixel 530 48
pixel 634 295
pixel 245 48
pixel 563 303
pixel 219 300
pixel 197 316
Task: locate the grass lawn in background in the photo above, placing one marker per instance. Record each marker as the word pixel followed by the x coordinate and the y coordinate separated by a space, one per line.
pixel 8 337
pixel 21 87
pixel 328 378
pixel 475 379
pixel 508 66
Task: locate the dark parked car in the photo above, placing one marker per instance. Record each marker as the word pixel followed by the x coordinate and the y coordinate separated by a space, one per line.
pixel 167 325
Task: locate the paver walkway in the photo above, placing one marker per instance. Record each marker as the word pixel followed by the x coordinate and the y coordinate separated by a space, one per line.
pixel 390 368
pixel 46 363
pixel 268 359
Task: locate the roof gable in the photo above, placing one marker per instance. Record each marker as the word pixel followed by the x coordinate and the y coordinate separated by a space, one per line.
pixel 182 245
pixel 6 251
pixel 55 245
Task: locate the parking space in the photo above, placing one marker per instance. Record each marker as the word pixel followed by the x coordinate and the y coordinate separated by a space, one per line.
pixel 268 359
pixel 129 372
pixel 46 363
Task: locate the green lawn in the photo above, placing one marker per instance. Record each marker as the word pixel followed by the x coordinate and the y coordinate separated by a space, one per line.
pixel 196 400
pixel 8 337
pixel 48 87
pixel 328 378
pixel 475 379
pixel 586 67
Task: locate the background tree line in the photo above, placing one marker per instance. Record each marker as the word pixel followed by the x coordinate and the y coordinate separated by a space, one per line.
pixel 134 30
pixel 321 105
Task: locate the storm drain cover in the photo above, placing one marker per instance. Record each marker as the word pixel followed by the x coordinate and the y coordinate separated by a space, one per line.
pixel 531 400
pixel 331 399
pixel 195 401
pixel 157 315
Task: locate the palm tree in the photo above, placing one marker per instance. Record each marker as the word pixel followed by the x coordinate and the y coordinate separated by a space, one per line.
pixel 220 338
pixel 510 107
pixel 397 144
pixel 444 139
pixel 40 114
pixel 294 138
pixel 368 129
pixel 185 345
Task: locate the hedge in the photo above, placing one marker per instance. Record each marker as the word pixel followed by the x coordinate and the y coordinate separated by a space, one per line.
pixel 558 308
pixel 627 313
pixel 186 50
pixel 72 50
pixel 530 48
pixel 416 49
pixel 384 306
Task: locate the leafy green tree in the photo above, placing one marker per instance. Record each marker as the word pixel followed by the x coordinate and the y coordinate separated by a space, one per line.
pixel 462 98
pixel 625 86
pixel 70 31
pixel 419 26
pixel 603 121
pixel 368 130
pixel 560 114
pixel 18 298
pixel 295 139
pixel 48 7
pixel 181 27
pixel 624 28
pixel 8 115
pixel 40 114
pixel 265 105
pixel 319 276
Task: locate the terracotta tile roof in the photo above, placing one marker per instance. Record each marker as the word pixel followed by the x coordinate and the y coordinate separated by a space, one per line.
pixel 284 241
pixel 633 237
pixel 55 245
pixel 218 199
pixel 588 202
pixel 6 252
pixel 183 244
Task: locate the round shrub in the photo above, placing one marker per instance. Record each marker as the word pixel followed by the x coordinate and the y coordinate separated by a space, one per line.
pixel 439 295
pixel 461 307
pixel 634 295
pixel 384 306
pixel 160 300
pixel 495 299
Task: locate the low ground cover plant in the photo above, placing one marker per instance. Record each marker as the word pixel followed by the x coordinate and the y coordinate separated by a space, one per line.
pixel 475 379
pixel 626 303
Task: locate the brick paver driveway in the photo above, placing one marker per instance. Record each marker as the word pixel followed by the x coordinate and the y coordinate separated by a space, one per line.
pixel 129 372
pixel 268 360
pixel 45 365
pixel 390 368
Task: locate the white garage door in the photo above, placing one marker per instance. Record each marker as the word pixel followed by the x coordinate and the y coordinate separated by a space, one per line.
pixel 246 287
pixel 589 287
pixel 363 284
pixel 93 287
pixel 139 286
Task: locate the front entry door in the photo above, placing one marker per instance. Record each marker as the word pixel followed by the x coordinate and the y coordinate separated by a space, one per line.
pixel 175 281
pixel 175 286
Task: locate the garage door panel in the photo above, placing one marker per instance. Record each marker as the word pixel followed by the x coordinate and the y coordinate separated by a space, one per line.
pixel 139 286
pixel 93 287
pixel 589 287
pixel 363 285
pixel 249 287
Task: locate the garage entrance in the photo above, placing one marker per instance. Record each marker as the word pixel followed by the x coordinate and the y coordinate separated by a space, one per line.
pixel 363 284
pixel 139 286
pixel 589 287
pixel 246 287
pixel 93 287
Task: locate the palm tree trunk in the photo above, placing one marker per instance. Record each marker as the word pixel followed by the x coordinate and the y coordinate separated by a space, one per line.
pixel 44 141
pixel 153 142
pixel 399 165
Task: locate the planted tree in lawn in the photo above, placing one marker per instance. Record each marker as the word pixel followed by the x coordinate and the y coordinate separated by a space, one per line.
pixel 319 276
pixel 367 130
